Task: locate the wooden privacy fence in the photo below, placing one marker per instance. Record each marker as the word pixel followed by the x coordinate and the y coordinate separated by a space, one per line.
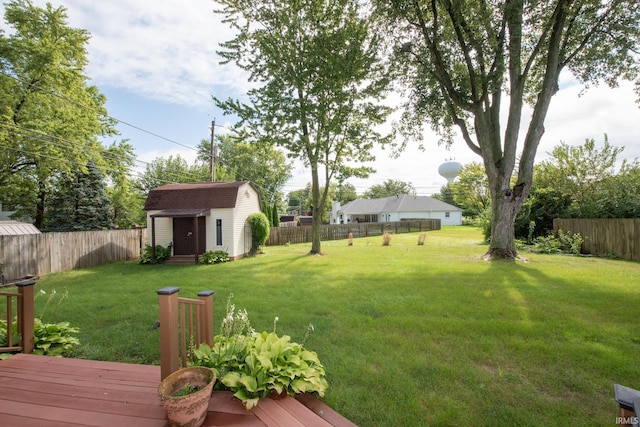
pixel 38 254
pixel 617 236
pixel 290 235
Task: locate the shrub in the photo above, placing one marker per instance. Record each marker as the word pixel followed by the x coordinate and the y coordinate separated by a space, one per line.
pixel 259 230
pixel 214 257
pixel 570 242
pixel 546 245
pixel 253 365
pixel 54 339
pixel 162 254
pixel 50 339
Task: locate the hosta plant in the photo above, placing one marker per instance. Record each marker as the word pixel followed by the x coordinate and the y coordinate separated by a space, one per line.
pixel 253 365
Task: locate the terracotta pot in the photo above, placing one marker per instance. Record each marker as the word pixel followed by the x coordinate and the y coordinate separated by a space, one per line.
pixel 189 410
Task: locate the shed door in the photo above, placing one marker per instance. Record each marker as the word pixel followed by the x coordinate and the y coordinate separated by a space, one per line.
pixel 184 236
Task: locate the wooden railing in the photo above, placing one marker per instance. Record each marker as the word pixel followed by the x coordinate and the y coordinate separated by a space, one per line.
pixel 184 324
pixel 24 308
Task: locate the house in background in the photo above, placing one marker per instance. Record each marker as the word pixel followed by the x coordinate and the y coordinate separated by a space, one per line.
pixel 396 208
pixel 201 217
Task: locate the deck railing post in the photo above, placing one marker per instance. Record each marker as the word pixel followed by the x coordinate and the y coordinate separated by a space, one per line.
pixel 25 314
pixel 168 306
pixel 206 316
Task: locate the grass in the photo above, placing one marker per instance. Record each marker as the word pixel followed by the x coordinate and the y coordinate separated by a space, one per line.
pixel 409 335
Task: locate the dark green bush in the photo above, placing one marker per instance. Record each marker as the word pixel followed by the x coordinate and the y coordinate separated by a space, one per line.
pixel 259 230
pixel 162 254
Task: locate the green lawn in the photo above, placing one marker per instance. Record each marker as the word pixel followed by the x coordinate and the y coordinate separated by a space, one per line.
pixel 409 335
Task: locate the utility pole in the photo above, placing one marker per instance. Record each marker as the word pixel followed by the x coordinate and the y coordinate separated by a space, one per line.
pixel 212 165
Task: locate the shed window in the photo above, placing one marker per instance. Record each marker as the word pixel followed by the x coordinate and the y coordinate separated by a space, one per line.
pixel 447 214
pixel 218 232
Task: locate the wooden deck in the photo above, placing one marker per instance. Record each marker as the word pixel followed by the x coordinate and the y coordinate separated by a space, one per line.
pixel 47 391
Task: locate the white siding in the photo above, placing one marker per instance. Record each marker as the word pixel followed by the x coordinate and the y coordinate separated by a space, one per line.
pixel 248 203
pixel 164 229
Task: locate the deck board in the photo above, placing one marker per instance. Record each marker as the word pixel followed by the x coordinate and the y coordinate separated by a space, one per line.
pixel 42 390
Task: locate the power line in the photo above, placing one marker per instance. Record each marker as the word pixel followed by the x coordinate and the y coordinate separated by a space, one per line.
pixel 60 96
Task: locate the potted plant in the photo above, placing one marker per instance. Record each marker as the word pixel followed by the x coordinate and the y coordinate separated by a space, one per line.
pixel 185 395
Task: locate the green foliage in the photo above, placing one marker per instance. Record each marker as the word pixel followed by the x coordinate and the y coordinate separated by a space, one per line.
pixel 173 169
pixel 214 257
pixel 186 390
pixel 162 253
pixel 246 159
pixel 345 193
pixel 570 243
pixel 320 85
pixel 52 119
pixel 452 57
pixel 581 182
pixel 54 339
pixel 471 189
pixel 266 210
pixel 390 187
pixel 50 339
pixel 445 195
pixel 438 325
pixel 80 203
pixel 546 245
pixel 275 216
pixel 253 365
pixel 259 230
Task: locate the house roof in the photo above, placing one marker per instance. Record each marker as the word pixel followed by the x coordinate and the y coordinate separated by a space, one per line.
pixel 200 195
pixel 15 228
pixel 400 203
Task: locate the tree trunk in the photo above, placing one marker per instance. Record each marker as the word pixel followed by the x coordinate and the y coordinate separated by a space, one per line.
pixel 40 204
pixel 503 216
pixel 506 204
pixel 316 211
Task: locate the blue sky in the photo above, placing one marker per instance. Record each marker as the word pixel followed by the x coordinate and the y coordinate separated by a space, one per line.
pixel 155 61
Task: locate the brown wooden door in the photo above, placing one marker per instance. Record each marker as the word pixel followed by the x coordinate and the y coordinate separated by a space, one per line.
pixel 184 236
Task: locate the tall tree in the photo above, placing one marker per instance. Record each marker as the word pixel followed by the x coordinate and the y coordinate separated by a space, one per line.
pixel 173 169
pixel 459 60
pixel 80 202
pixel 471 189
pixel 317 85
pixel 50 116
pixel 345 193
pixel 259 162
pixel 583 182
pixel 390 187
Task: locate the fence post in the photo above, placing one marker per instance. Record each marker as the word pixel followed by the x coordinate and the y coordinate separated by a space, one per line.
pixel 168 306
pixel 206 316
pixel 25 314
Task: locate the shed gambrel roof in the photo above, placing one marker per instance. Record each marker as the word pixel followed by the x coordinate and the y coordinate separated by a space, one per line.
pixel 400 203
pixel 200 195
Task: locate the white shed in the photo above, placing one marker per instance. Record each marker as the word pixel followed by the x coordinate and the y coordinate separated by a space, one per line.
pixel 200 217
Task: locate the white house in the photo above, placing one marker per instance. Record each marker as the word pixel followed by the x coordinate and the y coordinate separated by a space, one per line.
pixel 396 208
pixel 200 217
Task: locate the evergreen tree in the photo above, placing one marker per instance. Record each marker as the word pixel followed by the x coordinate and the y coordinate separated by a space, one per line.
pixel 81 203
pixel 275 216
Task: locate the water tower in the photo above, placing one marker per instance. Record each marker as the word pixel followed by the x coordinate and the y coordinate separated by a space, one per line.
pixel 450 170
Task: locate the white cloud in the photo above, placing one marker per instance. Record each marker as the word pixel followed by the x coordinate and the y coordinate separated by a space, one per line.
pixel 160 49
pixel 165 50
